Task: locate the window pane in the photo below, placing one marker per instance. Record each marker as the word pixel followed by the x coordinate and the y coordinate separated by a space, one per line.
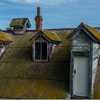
pixel 44 51
pixel 37 51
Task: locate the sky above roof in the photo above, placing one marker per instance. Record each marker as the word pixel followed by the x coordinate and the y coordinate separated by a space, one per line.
pixel 56 13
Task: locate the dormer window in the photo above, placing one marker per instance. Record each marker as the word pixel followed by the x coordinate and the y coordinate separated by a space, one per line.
pixel 41 51
pixel 44 44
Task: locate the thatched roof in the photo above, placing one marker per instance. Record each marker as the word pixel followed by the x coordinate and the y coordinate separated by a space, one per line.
pixel 22 78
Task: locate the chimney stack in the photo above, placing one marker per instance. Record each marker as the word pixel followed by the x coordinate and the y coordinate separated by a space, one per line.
pixel 38 20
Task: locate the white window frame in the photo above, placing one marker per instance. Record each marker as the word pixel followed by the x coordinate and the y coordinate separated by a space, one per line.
pixel 40 41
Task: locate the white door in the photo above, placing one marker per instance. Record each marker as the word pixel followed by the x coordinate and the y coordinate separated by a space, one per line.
pixel 80 76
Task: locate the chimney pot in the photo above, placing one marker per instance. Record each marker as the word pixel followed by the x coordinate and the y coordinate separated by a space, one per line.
pixel 38 11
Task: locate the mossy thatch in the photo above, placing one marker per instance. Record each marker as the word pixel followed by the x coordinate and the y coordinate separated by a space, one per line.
pixel 22 78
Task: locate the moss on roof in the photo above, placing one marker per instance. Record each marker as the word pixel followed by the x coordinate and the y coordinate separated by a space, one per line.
pixel 22 78
pixel 33 89
pixel 94 32
pixel 51 35
pixel 5 36
pixel 96 94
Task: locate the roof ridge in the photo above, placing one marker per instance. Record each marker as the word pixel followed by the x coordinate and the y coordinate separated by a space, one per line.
pixel 20 18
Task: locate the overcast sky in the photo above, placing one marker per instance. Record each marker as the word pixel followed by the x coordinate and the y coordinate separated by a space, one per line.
pixel 56 13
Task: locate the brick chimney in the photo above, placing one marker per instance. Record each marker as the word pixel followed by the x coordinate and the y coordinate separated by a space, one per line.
pixel 38 20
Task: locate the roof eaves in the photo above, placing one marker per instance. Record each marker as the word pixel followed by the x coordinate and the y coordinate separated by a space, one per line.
pixel 56 42
pixel 6 41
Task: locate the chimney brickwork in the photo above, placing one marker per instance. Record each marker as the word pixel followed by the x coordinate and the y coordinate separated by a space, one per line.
pixel 38 20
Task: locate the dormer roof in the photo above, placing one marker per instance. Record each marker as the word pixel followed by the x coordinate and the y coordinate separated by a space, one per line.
pixel 91 32
pixel 48 35
pixel 20 22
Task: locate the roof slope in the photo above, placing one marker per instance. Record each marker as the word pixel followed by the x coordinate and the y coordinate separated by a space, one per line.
pixel 92 30
pixel 22 78
pixel 5 37
pixel 52 36
pixel 19 22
